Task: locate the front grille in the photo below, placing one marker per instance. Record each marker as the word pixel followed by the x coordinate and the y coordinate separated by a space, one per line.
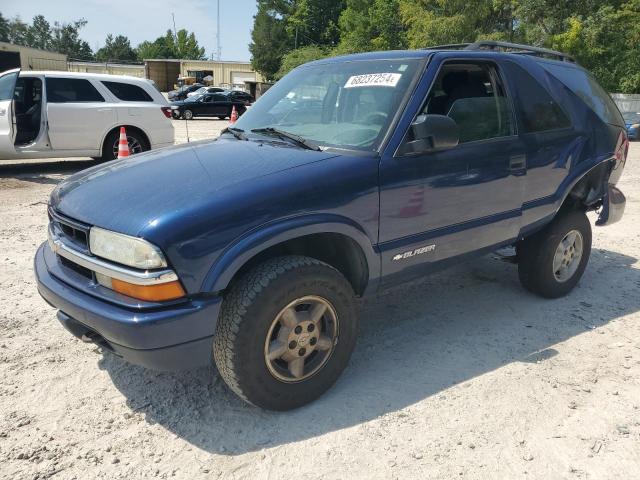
pixel 72 232
pixel 79 269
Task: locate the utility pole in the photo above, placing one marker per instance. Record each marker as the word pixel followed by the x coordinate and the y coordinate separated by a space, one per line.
pixel 175 32
pixel 218 47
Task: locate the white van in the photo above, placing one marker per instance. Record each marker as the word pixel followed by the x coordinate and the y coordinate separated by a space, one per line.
pixel 66 114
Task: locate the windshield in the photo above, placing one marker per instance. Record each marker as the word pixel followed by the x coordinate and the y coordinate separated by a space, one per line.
pixel 344 104
pixel 193 98
pixel 631 117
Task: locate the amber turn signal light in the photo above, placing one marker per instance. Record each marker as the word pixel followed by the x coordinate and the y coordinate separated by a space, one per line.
pixel 150 293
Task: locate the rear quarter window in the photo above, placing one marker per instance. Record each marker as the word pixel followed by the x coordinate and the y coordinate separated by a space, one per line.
pixel 128 92
pixel 586 87
pixel 537 110
pixel 71 90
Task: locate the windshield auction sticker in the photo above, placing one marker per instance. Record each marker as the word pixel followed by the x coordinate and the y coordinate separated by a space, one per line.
pixel 374 80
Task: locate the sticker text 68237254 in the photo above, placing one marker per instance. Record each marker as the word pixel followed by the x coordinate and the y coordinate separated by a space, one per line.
pixel 374 80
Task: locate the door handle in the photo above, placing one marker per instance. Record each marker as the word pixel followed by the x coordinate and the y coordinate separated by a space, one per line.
pixel 517 162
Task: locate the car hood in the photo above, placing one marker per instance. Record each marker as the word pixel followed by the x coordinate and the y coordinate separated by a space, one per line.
pixel 131 194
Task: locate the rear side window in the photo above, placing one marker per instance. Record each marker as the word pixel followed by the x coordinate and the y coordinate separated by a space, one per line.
pixel 586 87
pixel 128 92
pixel 71 90
pixel 538 112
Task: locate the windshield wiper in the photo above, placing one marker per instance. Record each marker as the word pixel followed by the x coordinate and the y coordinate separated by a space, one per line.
pixel 236 132
pixel 301 141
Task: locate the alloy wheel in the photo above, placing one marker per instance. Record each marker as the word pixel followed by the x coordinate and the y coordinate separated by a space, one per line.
pixel 134 146
pixel 568 255
pixel 301 339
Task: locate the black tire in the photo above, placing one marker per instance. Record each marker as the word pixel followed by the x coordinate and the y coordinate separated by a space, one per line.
pixel 221 117
pixel 536 255
pixel 107 147
pixel 187 114
pixel 246 319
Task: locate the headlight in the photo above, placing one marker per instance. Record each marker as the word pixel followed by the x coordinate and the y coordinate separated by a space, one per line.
pixel 126 250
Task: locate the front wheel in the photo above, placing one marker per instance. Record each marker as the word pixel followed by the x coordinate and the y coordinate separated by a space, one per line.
pixel 187 114
pixel 286 332
pixel 552 261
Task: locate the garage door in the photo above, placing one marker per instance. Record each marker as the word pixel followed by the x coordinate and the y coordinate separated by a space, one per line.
pixel 238 78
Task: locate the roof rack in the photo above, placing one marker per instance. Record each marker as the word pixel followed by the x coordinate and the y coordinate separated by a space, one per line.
pixel 450 46
pixel 508 47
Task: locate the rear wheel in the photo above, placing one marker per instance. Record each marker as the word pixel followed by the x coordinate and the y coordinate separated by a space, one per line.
pixel 222 117
pixel 137 144
pixel 552 261
pixel 286 332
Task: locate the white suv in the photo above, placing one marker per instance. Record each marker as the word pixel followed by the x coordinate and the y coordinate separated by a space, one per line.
pixel 46 114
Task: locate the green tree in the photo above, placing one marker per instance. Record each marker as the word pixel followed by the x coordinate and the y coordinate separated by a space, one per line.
pixel 18 31
pixel 270 40
pixel 604 35
pixel 66 39
pixel 63 37
pixel 606 42
pixel 156 49
pixel 38 35
pixel 183 46
pixel 315 22
pixel 4 29
pixel 186 46
pixel 368 25
pixel 118 48
pixel 435 22
pixel 300 56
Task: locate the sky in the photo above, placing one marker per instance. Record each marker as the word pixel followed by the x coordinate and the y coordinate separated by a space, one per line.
pixel 148 19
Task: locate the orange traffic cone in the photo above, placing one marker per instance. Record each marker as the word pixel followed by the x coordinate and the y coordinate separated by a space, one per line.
pixel 123 145
pixel 234 115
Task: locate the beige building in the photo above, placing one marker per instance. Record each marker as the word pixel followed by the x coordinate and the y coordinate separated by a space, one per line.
pixel 108 68
pixel 166 72
pixel 14 56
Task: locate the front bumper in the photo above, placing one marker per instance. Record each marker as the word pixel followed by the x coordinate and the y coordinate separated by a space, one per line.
pixel 633 133
pixel 175 337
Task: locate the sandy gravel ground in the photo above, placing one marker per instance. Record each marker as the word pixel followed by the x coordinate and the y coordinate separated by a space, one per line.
pixel 462 375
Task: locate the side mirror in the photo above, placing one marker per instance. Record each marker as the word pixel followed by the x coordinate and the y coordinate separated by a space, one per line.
pixel 432 133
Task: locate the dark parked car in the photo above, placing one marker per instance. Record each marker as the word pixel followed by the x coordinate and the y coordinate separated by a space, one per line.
pixel 632 122
pixel 244 97
pixel 208 105
pixel 255 245
pixel 203 90
pixel 181 93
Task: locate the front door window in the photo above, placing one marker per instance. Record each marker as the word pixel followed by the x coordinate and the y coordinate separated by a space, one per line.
pixel 474 96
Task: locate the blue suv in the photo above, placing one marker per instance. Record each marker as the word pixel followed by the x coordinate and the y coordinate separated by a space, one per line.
pixel 351 175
